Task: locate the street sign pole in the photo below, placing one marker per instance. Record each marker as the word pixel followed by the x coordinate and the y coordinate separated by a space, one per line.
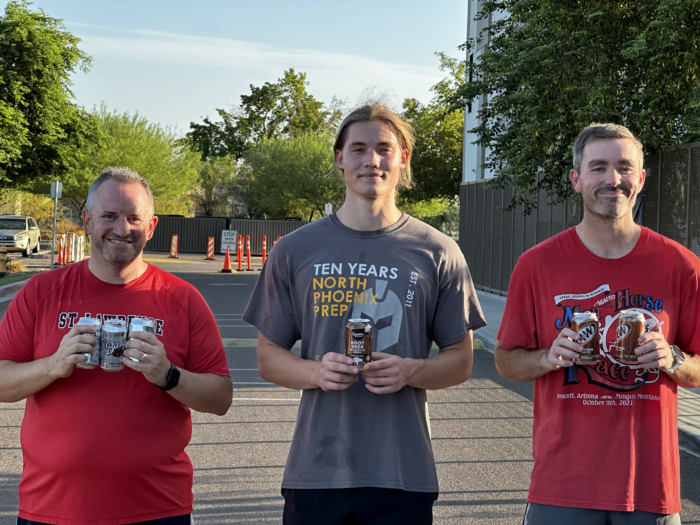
pixel 56 192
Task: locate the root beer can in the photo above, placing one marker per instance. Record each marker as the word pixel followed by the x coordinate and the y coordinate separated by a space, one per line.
pixel 586 324
pixel 358 341
pixel 630 326
pixel 93 358
pixel 113 340
pixel 140 324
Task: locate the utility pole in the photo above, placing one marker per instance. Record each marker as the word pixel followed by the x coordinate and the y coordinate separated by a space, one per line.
pixel 56 192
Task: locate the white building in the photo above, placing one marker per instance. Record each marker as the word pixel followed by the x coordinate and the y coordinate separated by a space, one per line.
pixel 474 155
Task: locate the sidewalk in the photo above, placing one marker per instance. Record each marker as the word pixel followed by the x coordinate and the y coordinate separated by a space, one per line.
pixel 688 398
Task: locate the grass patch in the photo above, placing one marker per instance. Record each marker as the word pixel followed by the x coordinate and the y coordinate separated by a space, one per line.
pixel 14 279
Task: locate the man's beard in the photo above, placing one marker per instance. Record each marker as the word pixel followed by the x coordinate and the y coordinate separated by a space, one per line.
pixel 117 259
pixel 604 208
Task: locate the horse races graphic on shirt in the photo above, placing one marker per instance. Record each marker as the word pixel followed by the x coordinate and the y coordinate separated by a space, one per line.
pixel 606 304
pixel 364 291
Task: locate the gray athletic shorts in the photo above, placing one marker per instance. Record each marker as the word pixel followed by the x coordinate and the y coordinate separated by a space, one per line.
pixel 538 514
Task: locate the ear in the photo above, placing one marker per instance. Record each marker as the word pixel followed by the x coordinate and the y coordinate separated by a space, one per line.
pixel 642 178
pixel 404 159
pixel 339 158
pixel 86 222
pixel 151 227
pixel 575 182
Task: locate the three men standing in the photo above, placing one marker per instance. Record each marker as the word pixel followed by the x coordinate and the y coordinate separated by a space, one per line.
pixel 104 447
pixel 361 451
pixel 605 437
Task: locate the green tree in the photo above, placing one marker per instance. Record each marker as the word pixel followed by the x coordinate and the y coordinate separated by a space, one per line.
pixel 41 130
pixel 291 176
pixel 215 187
pixel 552 68
pixel 152 151
pixel 281 109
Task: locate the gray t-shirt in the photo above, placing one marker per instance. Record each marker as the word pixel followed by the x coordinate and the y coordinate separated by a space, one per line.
pixel 413 283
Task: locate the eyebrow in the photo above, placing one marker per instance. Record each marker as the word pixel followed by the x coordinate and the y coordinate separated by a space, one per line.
pixel 603 162
pixel 364 144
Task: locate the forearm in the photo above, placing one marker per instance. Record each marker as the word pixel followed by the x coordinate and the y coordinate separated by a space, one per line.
pixel 208 393
pixel 520 364
pixel 20 380
pixel 452 366
pixel 688 374
pixel 283 367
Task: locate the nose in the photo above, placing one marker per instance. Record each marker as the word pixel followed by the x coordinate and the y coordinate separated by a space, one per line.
pixel 372 160
pixel 121 227
pixel 613 177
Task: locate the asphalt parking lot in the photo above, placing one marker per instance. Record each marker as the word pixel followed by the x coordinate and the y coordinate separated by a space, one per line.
pixel 481 431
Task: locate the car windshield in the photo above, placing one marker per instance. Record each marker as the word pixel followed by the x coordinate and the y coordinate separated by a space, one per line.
pixel 12 224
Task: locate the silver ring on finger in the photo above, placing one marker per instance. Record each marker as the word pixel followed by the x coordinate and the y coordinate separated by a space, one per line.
pixel 145 355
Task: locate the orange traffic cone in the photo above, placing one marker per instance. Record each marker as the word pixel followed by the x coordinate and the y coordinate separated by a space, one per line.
pixel 227 263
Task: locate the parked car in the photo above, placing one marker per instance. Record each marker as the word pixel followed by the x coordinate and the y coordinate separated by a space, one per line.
pixel 19 233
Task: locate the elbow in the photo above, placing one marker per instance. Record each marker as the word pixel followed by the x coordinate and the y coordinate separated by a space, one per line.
pixel 499 359
pixel 225 400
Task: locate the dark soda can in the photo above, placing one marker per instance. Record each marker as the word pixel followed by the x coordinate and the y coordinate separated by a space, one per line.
pixel 139 324
pixel 93 358
pixel 113 340
pixel 586 325
pixel 630 326
pixel 358 342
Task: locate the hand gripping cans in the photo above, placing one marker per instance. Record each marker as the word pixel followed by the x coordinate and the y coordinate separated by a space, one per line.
pixel 358 342
pixel 93 358
pixel 113 340
pixel 140 324
pixel 586 324
pixel 630 326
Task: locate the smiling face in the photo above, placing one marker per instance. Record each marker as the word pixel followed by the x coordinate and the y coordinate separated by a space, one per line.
pixel 371 159
pixel 611 177
pixel 120 223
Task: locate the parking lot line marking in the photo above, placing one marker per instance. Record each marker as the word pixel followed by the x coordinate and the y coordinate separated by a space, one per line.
pixel 265 399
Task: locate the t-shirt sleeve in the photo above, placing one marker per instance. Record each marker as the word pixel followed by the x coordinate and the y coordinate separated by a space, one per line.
pixel 519 325
pixel 271 308
pixel 458 310
pixel 17 327
pixel 205 352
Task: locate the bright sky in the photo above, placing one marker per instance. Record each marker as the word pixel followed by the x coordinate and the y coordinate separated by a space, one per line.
pixel 176 61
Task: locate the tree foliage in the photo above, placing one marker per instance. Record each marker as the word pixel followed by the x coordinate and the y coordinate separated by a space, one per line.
pixel 290 177
pixel 149 149
pixel 436 162
pixel 215 187
pixel 281 109
pixel 552 68
pixel 41 130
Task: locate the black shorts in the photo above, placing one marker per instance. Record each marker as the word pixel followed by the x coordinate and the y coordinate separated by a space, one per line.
pixel 359 506
pixel 185 519
pixel 538 514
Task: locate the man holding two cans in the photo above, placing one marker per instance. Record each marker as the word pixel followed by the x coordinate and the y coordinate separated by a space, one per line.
pixel 109 448
pixel 605 437
pixel 361 451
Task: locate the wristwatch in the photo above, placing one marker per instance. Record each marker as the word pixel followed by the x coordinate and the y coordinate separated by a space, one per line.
pixel 173 378
pixel 678 359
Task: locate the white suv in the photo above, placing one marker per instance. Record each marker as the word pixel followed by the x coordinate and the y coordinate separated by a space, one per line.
pixel 19 233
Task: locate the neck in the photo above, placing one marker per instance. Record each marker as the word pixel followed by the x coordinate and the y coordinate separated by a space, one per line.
pixel 608 238
pixel 106 273
pixel 364 214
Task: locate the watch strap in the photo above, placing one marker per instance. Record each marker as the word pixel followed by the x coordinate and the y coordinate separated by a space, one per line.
pixel 172 380
pixel 678 359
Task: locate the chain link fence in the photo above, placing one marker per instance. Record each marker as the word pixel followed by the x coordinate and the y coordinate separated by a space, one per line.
pixel 492 240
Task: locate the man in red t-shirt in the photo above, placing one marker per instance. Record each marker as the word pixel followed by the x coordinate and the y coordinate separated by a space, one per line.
pixel 100 447
pixel 605 439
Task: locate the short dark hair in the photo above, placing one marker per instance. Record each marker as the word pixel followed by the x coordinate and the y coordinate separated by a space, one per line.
pixel 602 131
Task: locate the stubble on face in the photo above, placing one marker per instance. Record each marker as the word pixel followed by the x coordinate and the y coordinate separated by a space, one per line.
pixel 117 257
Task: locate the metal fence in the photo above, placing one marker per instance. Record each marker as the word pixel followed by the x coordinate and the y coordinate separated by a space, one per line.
pixel 193 233
pixel 492 240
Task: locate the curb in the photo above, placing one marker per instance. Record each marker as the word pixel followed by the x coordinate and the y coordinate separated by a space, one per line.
pixel 11 288
pixel 488 342
pixel 689 442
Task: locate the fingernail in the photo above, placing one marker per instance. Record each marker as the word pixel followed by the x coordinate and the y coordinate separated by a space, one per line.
pixel 354 370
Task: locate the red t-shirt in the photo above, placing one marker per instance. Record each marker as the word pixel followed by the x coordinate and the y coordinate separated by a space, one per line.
pixel 103 447
pixel 604 436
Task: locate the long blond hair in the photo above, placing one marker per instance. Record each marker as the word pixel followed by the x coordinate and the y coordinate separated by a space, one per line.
pixel 405 135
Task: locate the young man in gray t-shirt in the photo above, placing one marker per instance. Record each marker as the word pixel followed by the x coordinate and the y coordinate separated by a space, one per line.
pixel 361 449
